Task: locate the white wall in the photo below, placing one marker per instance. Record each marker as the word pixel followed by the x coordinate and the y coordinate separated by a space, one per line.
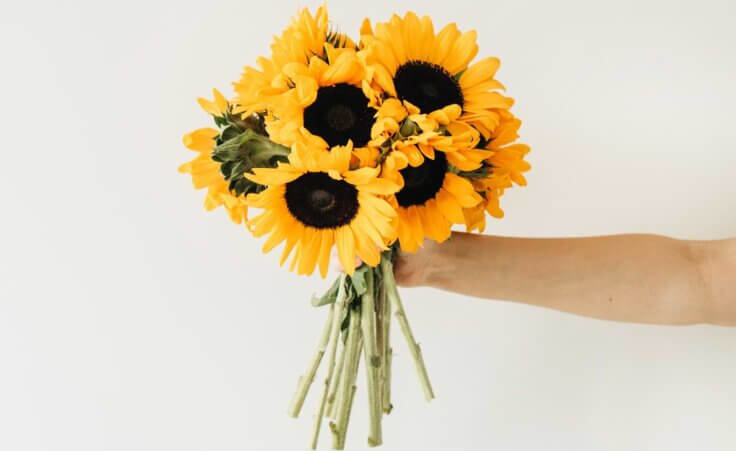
pixel 130 319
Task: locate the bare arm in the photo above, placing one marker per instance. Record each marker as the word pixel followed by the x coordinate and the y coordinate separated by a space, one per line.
pixel 633 278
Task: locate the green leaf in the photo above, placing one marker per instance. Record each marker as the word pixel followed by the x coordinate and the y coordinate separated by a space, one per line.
pixel 329 297
pixel 358 279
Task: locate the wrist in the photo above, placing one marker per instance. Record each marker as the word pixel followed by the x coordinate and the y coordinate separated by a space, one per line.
pixel 423 267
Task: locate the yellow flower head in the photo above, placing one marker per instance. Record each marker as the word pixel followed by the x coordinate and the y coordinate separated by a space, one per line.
pixel 408 60
pixel 421 154
pixel 418 135
pixel 206 174
pixel 304 38
pixel 326 105
pixel 316 201
pixel 430 201
pixel 505 167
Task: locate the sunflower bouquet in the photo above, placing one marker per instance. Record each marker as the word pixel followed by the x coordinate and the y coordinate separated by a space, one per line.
pixel 368 147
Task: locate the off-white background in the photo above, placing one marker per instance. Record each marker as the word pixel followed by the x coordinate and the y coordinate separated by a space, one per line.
pixel 130 319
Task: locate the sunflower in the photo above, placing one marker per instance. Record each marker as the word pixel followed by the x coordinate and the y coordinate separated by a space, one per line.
pixel 409 61
pixel 507 157
pixel 315 202
pixel 326 107
pixel 306 36
pixel 430 201
pixel 400 125
pixel 206 174
pixel 503 168
pixel 418 153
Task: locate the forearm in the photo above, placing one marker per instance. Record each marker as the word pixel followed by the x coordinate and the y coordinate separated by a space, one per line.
pixel 634 278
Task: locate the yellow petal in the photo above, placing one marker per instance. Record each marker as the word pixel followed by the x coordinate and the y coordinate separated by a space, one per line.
pixel 311 246
pixel 415 223
pixel 346 69
pixel 361 176
pixel 365 249
pixel 380 186
pixel 346 248
pixel 392 108
pixel 278 235
pixel 306 90
pixel 220 101
pixel 363 223
pixel 263 223
pixel 413 155
pixel 427 150
pixel 341 156
pixel 449 207
pixel 201 139
pixel 376 203
pixel 443 43
pixel 435 225
pixel 406 239
pixel 379 222
pixel 273 176
pixel 479 72
pixel 462 190
pixel 365 28
pixel 463 51
pixel 328 239
pixel 294 235
pixel 297 255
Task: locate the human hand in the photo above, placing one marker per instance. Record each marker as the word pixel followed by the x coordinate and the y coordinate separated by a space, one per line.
pixel 410 269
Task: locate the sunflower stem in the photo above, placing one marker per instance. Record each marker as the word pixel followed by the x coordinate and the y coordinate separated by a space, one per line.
pixel 336 383
pixel 387 352
pixel 345 396
pixel 380 334
pixel 339 307
pixel 372 360
pixel 353 389
pixel 400 314
pixel 305 381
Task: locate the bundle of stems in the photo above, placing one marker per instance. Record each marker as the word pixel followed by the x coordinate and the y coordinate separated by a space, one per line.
pixel 358 328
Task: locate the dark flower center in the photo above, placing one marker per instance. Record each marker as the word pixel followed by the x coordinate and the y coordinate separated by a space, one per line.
pixel 340 113
pixel 322 200
pixel 422 183
pixel 318 200
pixel 428 86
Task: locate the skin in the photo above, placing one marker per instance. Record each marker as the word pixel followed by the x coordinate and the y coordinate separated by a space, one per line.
pixel 633 278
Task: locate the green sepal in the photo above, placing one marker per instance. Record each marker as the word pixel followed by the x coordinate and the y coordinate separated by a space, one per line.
pixel 408 128
pixel 220 121
pixel 242 151
pixel 482 172
pixel 458 75
pixel 229 132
